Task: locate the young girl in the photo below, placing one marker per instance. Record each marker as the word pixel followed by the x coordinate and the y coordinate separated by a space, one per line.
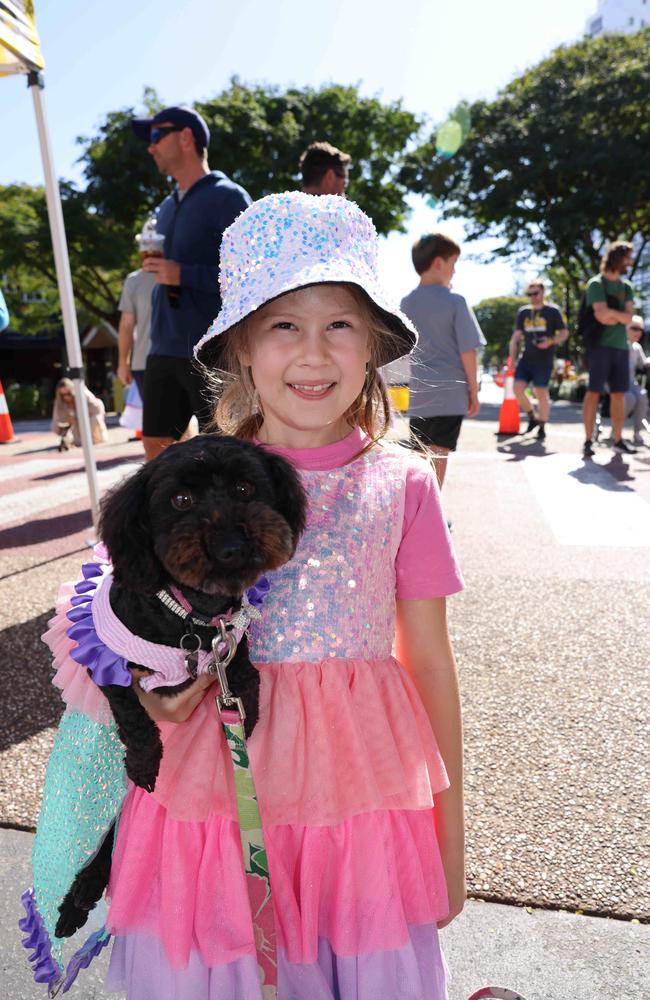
pixel 357 755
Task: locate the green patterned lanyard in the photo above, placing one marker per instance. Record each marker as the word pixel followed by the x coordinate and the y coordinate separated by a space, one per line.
pixel 256 867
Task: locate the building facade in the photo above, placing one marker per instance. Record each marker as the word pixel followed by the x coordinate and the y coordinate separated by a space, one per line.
pixel 626 16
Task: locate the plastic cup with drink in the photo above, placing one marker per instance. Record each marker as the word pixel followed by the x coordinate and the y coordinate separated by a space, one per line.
pixel 151 243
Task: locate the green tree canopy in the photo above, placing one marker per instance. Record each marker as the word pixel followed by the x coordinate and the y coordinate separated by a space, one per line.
pixel 557 164
pixel 99 258
pixel 257 134
pixel 496 317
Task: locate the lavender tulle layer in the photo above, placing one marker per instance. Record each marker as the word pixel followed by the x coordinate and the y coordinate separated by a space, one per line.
pixel 415 971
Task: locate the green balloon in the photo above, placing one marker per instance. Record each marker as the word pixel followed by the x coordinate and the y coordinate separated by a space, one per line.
pixel 449 138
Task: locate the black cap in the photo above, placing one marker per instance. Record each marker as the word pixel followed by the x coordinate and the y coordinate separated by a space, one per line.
pixel 178 115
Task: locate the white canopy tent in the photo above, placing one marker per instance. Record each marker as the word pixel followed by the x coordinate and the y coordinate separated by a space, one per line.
pixel 20 52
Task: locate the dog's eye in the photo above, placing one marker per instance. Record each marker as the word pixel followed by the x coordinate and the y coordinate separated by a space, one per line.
pixel 182 501
pixel 244 490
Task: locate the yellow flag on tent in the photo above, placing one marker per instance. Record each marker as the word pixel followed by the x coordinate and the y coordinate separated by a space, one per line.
pixel 20 48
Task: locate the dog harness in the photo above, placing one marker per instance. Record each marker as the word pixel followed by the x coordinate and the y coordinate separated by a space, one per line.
pixel 106 646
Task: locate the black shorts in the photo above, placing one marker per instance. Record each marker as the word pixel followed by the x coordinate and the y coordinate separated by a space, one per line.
pixel 173 392
pixel 609 368
pixel 440 431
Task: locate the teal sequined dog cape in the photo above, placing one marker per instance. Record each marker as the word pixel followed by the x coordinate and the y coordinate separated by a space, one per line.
pixel 85 786
pixel 84 789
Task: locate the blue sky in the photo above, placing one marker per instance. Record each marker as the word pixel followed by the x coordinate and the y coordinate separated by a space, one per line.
pixel 99 57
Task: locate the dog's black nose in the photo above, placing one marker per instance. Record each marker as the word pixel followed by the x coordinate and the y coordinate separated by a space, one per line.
pixel 230 552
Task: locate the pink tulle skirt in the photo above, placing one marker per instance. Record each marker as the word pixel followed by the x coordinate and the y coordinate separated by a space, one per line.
pixel 346 767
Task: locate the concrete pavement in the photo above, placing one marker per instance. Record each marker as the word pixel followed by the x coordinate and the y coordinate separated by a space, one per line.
pixel 553 655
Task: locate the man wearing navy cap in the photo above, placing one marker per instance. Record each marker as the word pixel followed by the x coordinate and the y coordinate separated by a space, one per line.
pixel 186 298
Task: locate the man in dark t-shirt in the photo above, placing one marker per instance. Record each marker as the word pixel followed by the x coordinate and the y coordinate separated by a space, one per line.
pixel 542 328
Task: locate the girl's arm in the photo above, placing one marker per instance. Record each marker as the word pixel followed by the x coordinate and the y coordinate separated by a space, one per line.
pixel 424 648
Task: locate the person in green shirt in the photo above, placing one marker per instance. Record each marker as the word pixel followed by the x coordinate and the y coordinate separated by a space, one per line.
pixel 612 299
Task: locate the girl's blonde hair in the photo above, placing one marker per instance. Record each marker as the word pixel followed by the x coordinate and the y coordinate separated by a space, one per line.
pixel 238 410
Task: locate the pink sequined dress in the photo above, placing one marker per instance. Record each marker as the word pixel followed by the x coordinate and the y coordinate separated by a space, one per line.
pixel 345 763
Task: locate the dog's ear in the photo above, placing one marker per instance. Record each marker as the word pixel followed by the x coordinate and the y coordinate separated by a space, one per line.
pixel 125 529
pixel 291 498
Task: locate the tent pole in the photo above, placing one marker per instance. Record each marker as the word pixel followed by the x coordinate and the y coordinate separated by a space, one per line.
pixel 36 84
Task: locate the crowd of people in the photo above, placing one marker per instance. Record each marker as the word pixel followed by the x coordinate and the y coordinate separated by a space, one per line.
pixel 167 304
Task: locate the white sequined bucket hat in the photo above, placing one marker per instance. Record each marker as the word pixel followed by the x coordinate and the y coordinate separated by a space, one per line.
pixel 288 241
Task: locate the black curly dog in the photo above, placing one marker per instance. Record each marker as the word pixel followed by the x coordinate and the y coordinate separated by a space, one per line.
pixel 208 516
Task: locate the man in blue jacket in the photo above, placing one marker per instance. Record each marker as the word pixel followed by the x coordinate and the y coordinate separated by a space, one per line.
pixel 186 298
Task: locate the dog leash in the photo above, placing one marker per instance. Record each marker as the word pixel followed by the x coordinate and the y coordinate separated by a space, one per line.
pixel 256 868
pixel 231 626
pixel 232 715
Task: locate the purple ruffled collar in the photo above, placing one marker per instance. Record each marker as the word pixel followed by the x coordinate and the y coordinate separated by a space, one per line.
pixel 105 666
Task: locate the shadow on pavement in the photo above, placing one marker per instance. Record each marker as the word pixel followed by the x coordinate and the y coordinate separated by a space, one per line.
pixel 38 451
pixel 618 473
pixel 102 464
pixel 31 704
pixel 45 529
pixel 519 450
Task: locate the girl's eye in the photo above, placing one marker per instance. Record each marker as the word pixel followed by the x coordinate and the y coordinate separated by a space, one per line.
pixel 283 325
pixel 182 501
pixel 340 324
pixel 244 490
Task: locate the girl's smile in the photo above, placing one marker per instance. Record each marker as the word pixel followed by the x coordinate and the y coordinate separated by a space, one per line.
pixel 307 352
pixel 309 390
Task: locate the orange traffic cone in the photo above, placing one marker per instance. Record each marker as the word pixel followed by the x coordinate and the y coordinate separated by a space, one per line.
pixel 509 412
pixel 6 429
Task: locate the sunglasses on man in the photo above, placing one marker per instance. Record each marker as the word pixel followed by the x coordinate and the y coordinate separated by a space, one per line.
pixel 159 132
pixel 534 293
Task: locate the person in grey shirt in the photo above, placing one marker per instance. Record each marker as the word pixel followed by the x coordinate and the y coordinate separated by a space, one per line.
pixel 135 327
pixel 443 384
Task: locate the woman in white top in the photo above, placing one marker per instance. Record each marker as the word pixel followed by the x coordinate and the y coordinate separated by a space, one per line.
pixel 65 413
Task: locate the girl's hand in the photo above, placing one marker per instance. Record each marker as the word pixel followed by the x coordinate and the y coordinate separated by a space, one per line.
pixel 456 887
pixel 175 707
